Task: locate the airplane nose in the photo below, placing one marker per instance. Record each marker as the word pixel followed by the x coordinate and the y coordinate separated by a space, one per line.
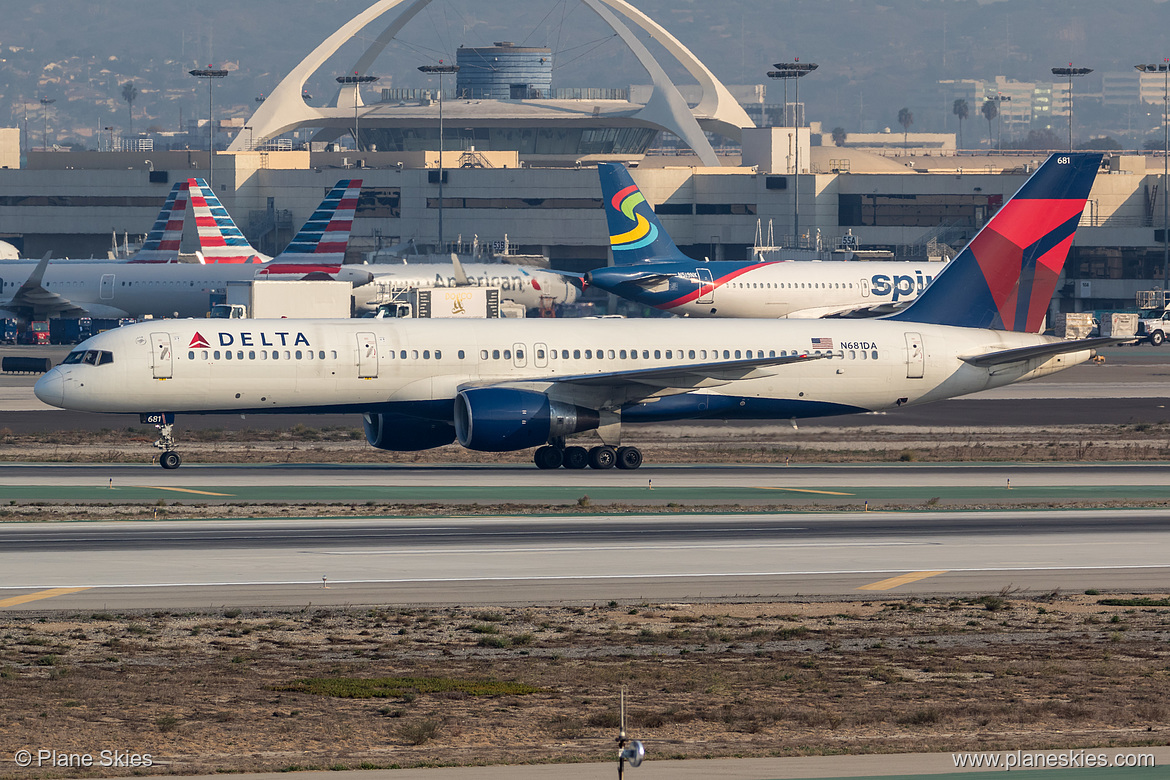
pixel 51 389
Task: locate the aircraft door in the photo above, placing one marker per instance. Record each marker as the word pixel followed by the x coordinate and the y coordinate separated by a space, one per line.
pixel 367 345
pixel 106 290
pixel 864 285
pixel 706 286
pixel 163 358
pixel 519 355
pixel 540 355
pixel 914 356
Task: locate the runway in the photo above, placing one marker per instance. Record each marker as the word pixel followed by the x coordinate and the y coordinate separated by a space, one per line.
pixel 632 558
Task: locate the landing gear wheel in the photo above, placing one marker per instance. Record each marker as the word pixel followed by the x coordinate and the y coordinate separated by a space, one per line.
pixel 1157 338
pixel 603 457
pixel 170 460
pixel 576 457
pixel 548 457
pixel 628 458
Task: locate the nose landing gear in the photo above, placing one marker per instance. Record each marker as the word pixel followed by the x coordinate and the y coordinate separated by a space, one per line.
pixel 166 442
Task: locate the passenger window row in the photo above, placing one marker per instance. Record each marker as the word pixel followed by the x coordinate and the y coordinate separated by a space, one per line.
pixel 263 354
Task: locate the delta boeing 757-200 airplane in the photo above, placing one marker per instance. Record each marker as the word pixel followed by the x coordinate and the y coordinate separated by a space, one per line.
pixel 649 269
pixel 500 385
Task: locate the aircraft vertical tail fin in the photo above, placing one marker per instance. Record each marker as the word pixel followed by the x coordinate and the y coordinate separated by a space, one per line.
pixel 162 242
pixel 220 240
pixel 1005 277
pixel 635 234
pixel 324 237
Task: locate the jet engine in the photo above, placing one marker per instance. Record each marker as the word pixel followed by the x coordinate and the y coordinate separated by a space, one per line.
pixel 496 419
pixel 401 433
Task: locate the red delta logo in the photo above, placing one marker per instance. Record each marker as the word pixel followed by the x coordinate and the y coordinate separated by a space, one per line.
pixel 198 341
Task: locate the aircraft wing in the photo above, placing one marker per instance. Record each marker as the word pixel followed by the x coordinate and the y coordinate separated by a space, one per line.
pixel 33 295
pixel 1004 356
pixel 614 388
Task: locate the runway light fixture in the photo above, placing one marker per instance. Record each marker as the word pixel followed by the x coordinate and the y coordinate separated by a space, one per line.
pixel 793 71
pixel 212 75
pixel 356 81
pixel 441 70
pixel 1164 68
pixel 1070 72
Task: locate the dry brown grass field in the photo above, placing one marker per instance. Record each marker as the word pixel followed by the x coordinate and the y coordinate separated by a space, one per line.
pixel 226 689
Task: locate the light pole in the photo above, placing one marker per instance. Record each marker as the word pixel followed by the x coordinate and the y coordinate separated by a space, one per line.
pixel 211 74
pixel 45 103
pixel 356 81
pixel 1070 71
pixel 794 70
pixel 440 69
pixel 1164 69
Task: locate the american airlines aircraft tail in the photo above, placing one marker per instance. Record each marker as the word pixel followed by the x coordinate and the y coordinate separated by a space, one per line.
pixel 162 242
pixel 647 241
pixel 220 241
pixel 501 384
pixel 321 241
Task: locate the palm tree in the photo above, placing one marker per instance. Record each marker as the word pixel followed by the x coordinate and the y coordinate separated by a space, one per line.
pixel 990 111
pixel 130 94
pixel 905 119
pixel 839 136
pixel 962 111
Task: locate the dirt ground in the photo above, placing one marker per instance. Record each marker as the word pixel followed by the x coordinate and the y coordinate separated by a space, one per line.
pixel 219 690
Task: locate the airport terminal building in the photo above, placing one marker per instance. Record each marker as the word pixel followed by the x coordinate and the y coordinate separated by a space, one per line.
pixel 518 165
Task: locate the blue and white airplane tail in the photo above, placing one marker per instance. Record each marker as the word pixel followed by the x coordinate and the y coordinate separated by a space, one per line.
pixel 635 234
pixel 1005 277
pixel 165 236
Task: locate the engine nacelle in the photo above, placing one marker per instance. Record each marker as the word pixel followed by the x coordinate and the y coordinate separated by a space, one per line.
pixel 496 419
pixel 401 433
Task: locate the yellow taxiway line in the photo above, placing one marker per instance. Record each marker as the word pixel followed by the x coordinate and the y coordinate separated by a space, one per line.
pixel 801 490
pixel 901 579
pixel 187 490
pixel 40 594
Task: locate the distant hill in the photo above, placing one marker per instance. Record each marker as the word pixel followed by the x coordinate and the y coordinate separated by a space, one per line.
pixel 874 58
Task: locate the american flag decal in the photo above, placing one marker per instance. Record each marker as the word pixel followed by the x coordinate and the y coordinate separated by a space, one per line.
pixel 822 343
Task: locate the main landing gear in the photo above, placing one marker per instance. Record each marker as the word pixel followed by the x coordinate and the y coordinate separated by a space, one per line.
pixel 601 457
pixel 166 442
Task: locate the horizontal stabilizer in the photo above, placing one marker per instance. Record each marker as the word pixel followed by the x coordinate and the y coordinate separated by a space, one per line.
pixel 1004 356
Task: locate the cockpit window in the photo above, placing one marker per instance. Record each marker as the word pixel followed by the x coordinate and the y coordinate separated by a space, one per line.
pixel 93 357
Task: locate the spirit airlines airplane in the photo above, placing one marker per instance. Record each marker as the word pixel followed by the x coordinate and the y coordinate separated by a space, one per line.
pixel 649 269
pixel 500 385
pixel 151 287
pixel 222 242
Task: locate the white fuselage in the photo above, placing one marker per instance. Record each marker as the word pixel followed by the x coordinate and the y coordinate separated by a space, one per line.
pixel 394 365
pixel 115 289
pixel 769 290
pixel 531 287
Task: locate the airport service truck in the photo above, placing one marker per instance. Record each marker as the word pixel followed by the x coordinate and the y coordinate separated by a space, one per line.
pixel 269 299
pixel 447 303
pixel 1154 322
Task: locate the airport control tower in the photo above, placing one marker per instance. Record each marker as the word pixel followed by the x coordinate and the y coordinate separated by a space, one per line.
pixel 504 72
